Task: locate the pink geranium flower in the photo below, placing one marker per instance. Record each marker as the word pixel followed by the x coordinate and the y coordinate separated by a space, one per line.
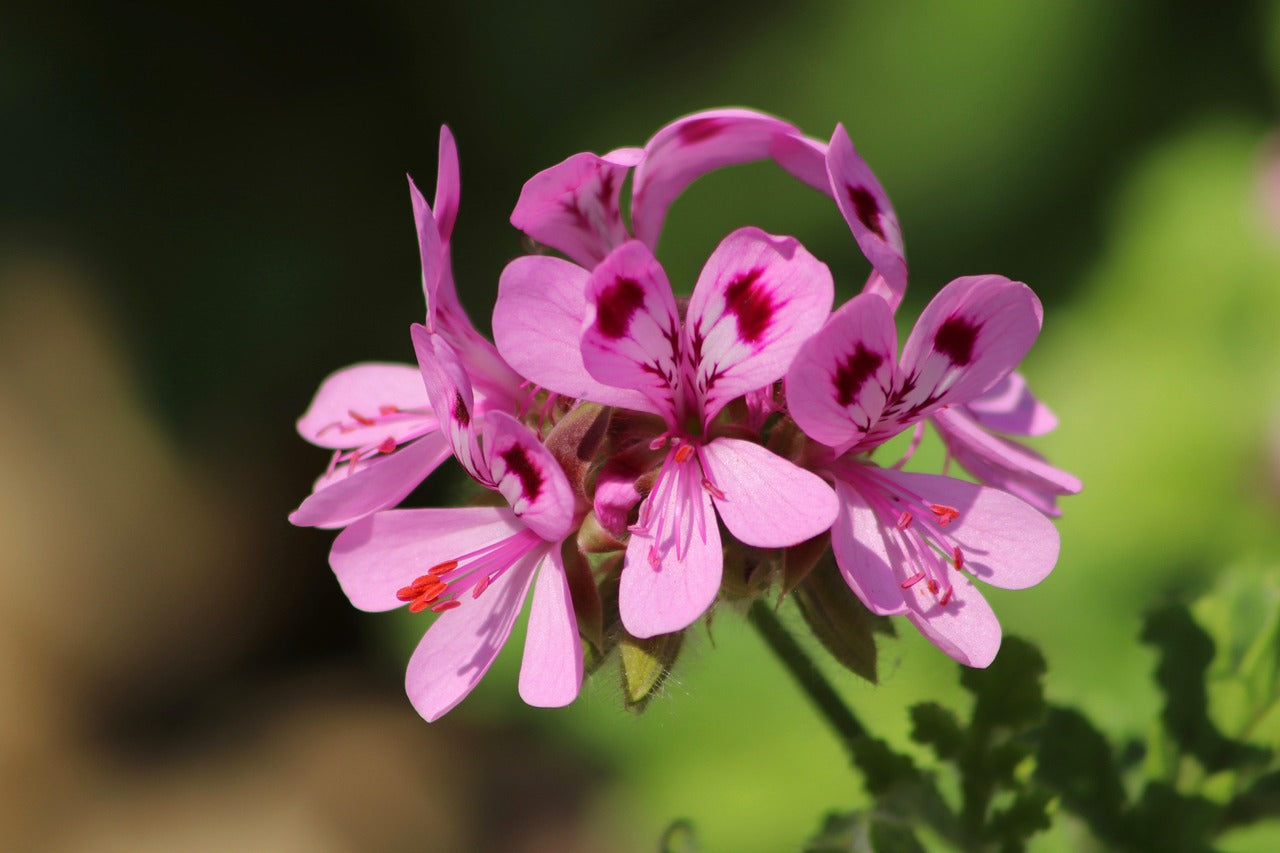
pixel 615 336
pixel 474 565
pixel 909 543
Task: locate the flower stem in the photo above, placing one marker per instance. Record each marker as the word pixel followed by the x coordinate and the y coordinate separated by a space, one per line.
pixel 806 673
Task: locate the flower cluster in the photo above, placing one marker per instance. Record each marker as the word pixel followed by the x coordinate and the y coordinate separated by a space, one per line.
pixel 621 426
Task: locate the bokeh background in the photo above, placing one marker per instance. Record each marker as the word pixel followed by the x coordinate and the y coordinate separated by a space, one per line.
pixel 203 212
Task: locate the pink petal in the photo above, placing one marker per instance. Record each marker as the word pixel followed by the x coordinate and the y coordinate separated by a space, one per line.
pixel 573 206
pixel 365 404
pixel 430 251
pixel 869 558
pixel 1010 407
pixel 878 286
pixel 528 476
pixel 865 206
pixel 688 148
pixel 965 627
pixel 671 572
pixel 383 553
pixel 537 323
pixel 377 483
pixel 969 336
pixel 551 672
pixel 451 396
pixel 462 643
pixel 759 298
pixel 614 497
pixel 1005 542
pixel 841 377
pixel 448 185
pixel 631 332
pixel 768 502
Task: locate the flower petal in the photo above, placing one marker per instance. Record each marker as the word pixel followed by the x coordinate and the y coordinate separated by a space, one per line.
pixel 759 298
pixel 965 627
pixel 1005 542
pixel 1010 407
pixel 631 332
pixel 840 379
pixel 528 476
pixel 448 185
pixel 689 147
pixel 461 644
pixel 866 554
pixel 431 251
pixel 537 323
pixel 551 671
pixel 573 206
pixel 865 206
pixel 768 502
pixel 378 483
pixel 379 555
pixel 365 404
pixel 451 396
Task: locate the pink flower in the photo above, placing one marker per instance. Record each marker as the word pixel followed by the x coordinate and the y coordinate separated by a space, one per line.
pixel 475 565
pixel 907 543
pixel 615 336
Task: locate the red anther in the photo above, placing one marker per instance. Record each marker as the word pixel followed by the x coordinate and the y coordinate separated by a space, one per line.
pixel 933 586
pixel 445 605
pixel 904 520
pixel 388 410
pixel 658 443
pixel 407 593
pixel 388 445
pixel 946 596
pixel 945 514
pixel 481 586
pixel 420 604
pixel 957 558
pixel 446 566
pixel 712 489
pixel 912 581
pixel 683 453
pixel 361 418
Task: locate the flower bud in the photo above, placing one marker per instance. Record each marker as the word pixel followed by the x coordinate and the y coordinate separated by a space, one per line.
pixel 645 665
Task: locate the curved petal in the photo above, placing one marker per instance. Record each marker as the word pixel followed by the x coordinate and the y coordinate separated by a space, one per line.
pixel 965 627
pixel 869 560
pixel 866 208
pixel 759 298
pixel 1010 407
pixel 379 483
pixel 448 185
pixel 1005 542
pixel 431 251
pixel 768 502
pixel 385 552
pixel 537 323
pixel 631 333
pixel 365 404
pixel 615 495
pixel 460 645
pixel 573 206
pixel 689 147
pixel 551 671
pixel 841 378
pixel 451 396
pixel 528 476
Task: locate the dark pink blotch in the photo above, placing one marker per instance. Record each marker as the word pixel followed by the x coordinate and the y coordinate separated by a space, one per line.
pixel 518 463
pixel 750 302
pixel 866 209
pixel 955 339
pixel 460 413
pixel 700 130
pixel 855 371
pixel 617 304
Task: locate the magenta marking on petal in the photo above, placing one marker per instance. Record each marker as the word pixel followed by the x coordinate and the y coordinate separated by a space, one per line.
pixel 752 304
pixel 866 209
pixel 700 130
pixel 530 478
pixel 955 339
pixel 855 371
pixel 618 302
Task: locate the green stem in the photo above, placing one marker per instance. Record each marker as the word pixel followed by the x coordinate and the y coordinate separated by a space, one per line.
pixel 806 673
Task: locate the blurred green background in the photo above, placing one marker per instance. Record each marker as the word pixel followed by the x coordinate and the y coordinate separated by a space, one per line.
pixel 203 212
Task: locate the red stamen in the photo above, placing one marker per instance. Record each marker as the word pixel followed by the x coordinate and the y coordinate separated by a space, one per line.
pixel 912 581
pixel 946 596
pixel 658 443
pixel 388 445
pixel 945 514
pixel 655 560
pixel 957 558
pixel 481 586
pixel 933 586
pixel 361 418
pixel 712 489
pixel 904 520
pixel 388 410
pixel 683 453
pixel 446 605
pixel 407 593
pixel 443 568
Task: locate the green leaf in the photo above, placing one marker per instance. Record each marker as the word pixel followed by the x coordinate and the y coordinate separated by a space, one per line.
pixel 679 837
pixel 841 622
pixel 1075 761
pixel 1030 812
pixel 1165 820
pixel 937 727
pixel 1008 692
pixel 863 832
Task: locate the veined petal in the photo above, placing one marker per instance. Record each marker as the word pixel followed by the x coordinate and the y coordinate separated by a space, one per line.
pixel 868 557
pixel 573 206
pixel 671 572
pixel 689 147
pixel 377 483
pixel 461 644
pixel 365 404
pixel 451 396
pixel 1005 542
pixel 865 206
pixel 768 502
pixel 528 476
pixel 1010 407
pixel 385 552
pixel 631 333
pixel 969 336
pixel 448 185
pixel 840 380
pixel 965 627
pixel 551 671
pixel 537 323
pixel 759 298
